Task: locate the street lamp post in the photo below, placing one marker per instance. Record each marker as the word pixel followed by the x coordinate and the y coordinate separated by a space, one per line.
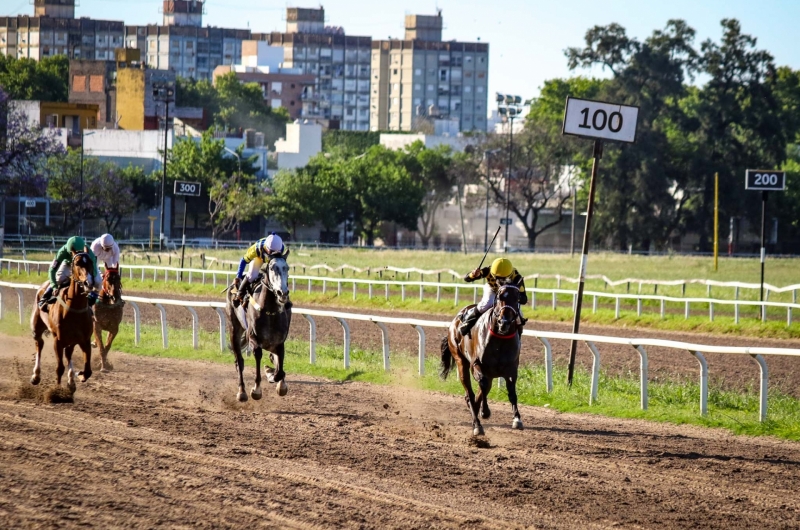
pixel 164 91
pixel 509 107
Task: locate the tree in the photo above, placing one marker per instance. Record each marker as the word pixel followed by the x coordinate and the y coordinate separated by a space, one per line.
pixel 43 80
pixel 24 149
pixel 233 195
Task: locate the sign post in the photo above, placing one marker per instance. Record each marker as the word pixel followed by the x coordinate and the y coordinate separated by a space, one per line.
pixel 598 121
pixel 764 181
pixel 186 189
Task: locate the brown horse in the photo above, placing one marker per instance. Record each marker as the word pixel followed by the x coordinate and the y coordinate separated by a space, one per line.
pixel 490 351
pixel 264 325
pixel 69 320
pixel 108 314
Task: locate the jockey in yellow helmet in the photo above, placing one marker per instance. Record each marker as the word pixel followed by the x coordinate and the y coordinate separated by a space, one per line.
pixel 501 272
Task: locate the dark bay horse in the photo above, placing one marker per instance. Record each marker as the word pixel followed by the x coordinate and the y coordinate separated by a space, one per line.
pixel 264 325
pixel 490 351
pixel 108 314
pixel 69 320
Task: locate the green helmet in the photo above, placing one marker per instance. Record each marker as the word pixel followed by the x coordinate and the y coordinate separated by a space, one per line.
pixel 76 244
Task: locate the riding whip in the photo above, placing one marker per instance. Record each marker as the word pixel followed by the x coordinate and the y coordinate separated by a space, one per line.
pixel 490 246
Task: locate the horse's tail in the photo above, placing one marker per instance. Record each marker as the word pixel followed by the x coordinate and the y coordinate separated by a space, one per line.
pixel 447 359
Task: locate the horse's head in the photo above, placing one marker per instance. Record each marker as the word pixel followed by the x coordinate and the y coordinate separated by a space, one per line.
pixel 277 279
pixel 112 285
pixel 82 268
pixel 506 309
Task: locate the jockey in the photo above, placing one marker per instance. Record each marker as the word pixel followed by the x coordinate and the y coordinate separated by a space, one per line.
pixel 106 250
pixel 261 252
pixel 501 272
pixel 61 269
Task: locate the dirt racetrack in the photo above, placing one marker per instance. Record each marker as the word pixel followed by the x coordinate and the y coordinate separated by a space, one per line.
pixel 162 443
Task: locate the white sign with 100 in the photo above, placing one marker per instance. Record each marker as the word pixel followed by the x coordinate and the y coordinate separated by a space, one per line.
pixel 604 121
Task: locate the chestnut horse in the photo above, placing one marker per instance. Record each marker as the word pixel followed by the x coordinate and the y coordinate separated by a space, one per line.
pixel 490 351
pixel 108 314
pixel 69 320
pixel 264 325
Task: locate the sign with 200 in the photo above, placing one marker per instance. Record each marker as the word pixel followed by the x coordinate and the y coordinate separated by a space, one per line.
pixel 765 180
pixel 604 121
pixel 187 188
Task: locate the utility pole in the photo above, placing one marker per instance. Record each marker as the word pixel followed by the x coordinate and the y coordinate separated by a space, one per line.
pixel 164 91
pixel 509 107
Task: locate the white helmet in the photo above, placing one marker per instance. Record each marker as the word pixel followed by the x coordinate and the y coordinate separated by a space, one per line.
pixel 273 244
pixel 106 241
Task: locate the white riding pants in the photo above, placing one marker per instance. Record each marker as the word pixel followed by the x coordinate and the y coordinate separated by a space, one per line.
pixel 253 269
pixel 487 301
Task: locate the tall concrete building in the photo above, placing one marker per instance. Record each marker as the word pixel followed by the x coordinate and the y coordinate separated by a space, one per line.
pixel 339 63
pixel 54 30
pixel 182 45
pixel 422 79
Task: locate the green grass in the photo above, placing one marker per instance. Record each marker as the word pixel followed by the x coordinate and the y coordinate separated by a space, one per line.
pixel 749 326
pixel 675 402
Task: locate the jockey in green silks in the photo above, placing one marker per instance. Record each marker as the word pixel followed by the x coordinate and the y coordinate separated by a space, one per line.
pixel 61 269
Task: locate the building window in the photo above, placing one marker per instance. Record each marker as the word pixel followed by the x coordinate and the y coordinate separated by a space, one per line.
pixel 442 75
pixel 467 89
pixel 417 87
pixel 482 60
pixel 418 71
pixel 394 71
pixel 479 89
pixel 430 88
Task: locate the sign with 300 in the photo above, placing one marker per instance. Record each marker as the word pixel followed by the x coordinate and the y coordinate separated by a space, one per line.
pixel 187 188
pixel 605 121
pixel 765 180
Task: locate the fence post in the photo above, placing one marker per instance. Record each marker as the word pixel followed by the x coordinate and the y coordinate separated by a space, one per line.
pixel 222 331
pixel 438 293
pixel 137 324
pixel 595 371
pixel 533 299
pixel 421 358
pixel 386 288
pixel 324 286
pixel 762 395
pixel 312 339
pixel 421 291
pixel 764 312
pixel 346 330
pixel 594 304
pixel 686 311
pixel 548 363
pixel 195 328
pixel 164 340
pixel 663 308
pixel 354 290
pixel 20 300
pixel 642 376
pixel 370 291
pixel 455 301
pixel 554 301
pixel 703 382
pixel 788 316
pixel 385 342
pixel 616 308
pixel 711 311
pixel 339 288
pixel 638 307
pixel 736 313
pixel 403 292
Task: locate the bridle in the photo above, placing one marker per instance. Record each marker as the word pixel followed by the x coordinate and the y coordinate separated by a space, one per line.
pixel 498 309
pixel 78 260
pixel 107 278
pixel 266 284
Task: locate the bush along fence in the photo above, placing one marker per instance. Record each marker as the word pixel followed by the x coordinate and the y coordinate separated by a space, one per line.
pixel 637 345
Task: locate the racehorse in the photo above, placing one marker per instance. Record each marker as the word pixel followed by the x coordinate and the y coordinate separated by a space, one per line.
pixel 264 324
pixel 490 351
pixel 69 320
pixel 108 314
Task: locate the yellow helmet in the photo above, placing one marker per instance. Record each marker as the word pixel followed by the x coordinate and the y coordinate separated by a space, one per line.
pixel 502 267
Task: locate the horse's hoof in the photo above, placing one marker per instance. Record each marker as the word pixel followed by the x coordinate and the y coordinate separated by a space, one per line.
pixel 282 388
pixel 35 380
pixel 241 396
pixel 72 386
pixel 516 424
pixel 486 413
pixel 478 431
pixel 94 344
pixel 255 395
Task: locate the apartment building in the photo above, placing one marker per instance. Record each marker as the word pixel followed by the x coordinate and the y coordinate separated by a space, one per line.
pixel 182 45
pixel 339 63
pixel 54 30
pixel 281 86
pixel 421 79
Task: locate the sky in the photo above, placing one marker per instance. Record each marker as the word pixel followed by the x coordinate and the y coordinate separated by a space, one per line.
pixel 527 38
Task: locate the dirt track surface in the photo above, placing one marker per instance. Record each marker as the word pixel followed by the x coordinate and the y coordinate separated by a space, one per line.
pixel 162 443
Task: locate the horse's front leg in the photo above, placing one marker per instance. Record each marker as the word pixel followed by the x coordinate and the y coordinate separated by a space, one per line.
pixel 463 376
pixel 37 360
pixel 86 373
pixel 511 386
pixel 236 346
pixel 255 393
pixel 278 376
pixel 104 364
pixel 484 386
pixel 70 370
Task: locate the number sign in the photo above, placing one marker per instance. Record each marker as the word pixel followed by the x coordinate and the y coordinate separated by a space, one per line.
pixel 505 221
pixel 30 203
pixel 187 188
pixel 605 121
pixel 764 179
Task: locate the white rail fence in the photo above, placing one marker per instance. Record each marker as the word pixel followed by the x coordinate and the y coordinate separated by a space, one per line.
pixel 157 270
pixel 637 344
pixel 406 288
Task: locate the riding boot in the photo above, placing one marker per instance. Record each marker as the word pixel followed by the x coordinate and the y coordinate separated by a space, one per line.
pixel 470 318
pixel 45 299
pixel 241 292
